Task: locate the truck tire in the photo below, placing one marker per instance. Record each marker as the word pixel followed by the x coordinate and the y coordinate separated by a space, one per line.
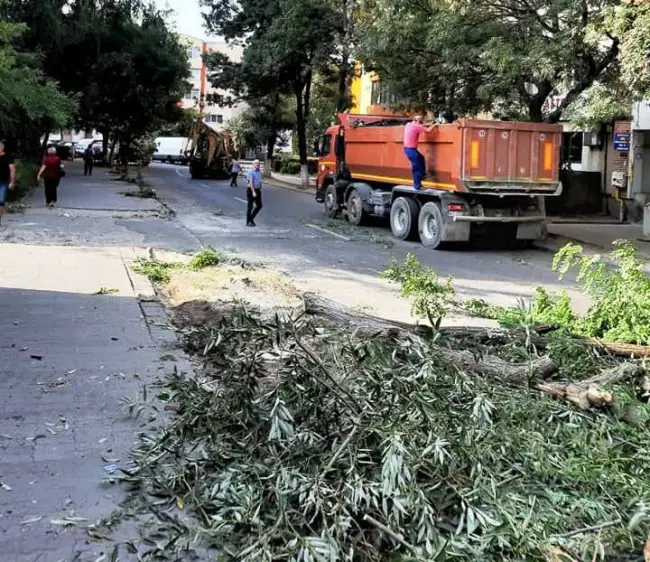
pixel 430 225
pixel 356 214
pixel 332 205
pixel 404 218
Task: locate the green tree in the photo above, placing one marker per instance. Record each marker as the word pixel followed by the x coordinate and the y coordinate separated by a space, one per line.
pixel 139 74
pixel 31 103
pixel 286 42
pixel 117 57
pixel 180 127
pixel 258 86
pixel 507 57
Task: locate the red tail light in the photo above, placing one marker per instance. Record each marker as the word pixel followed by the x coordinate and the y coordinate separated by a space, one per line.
pixel 455 208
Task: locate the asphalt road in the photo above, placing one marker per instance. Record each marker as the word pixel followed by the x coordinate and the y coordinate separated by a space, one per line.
pixel 294 233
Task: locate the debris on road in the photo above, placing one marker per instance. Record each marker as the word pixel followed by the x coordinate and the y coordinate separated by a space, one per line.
pixel 334 435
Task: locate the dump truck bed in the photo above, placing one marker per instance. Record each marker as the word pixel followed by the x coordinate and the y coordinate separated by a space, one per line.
pixel 469 155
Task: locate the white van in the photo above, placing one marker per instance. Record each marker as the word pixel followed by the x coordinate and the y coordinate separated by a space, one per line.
pixel 170 149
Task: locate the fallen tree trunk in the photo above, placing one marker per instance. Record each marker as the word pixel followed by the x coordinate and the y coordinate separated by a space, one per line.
pixel 341 315
pixel 590 393
pixel 585 394
pixel 338 313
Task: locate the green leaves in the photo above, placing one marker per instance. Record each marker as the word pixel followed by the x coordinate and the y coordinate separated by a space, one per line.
pixel 429 297
pixel 272 463
pixel 506 57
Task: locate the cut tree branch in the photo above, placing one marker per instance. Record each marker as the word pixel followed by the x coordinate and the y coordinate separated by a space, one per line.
pixel 586 394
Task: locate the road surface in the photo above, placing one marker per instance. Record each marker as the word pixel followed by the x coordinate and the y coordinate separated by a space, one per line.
pixel 294 233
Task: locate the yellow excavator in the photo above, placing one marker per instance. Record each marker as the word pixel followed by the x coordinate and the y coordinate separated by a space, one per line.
pixel 209 152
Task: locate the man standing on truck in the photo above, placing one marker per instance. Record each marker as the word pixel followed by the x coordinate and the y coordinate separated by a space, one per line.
pixel 254 192
pixel 412 132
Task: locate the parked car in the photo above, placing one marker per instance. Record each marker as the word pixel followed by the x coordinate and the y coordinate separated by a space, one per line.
pixel 66 149
pixel 97 147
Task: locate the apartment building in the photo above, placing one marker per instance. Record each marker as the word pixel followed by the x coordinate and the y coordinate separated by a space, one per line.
pixel 200 94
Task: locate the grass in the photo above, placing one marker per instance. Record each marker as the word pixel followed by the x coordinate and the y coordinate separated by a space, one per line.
pixel 155 270
pixel 206 257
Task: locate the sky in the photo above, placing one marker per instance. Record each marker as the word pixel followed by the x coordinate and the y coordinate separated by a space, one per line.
pixel 186 17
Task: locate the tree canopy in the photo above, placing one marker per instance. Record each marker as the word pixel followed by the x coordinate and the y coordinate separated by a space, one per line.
pixel 285 43
pixel 116 58
pixel 504 56
pixel 31 103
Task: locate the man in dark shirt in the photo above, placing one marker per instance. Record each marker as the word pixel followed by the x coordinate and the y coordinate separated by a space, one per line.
pixel 7 176
pixel 89 157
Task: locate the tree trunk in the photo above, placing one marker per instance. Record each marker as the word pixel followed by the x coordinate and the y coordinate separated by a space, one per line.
pixel 105 135
pixel 111 155
pixel 124 157
pixel 46 139
pixel 302 92
pixel 584 394
pixel 270 149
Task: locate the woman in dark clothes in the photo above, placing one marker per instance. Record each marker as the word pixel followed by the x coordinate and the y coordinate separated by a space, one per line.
pixel 51 172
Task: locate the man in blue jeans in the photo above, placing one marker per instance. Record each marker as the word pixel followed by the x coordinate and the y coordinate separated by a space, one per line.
pixel 254 192
pixel 412 132
pixel 7 177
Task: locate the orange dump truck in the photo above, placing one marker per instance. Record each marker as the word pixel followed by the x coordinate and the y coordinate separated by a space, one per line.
pixel 484 178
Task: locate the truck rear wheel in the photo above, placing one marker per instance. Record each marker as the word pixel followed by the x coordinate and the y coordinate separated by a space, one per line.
pixel 356 214
pixel 332 205
pixel 404 218
pixel 430 224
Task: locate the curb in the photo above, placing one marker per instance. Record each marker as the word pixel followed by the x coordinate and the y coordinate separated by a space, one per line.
pixel 142 288
pixel 290 187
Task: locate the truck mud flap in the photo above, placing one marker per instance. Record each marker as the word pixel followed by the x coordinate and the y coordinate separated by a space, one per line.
pixel 531 231
pixel 456 231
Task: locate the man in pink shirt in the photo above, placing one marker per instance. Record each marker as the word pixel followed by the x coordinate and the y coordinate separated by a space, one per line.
pixel 412 132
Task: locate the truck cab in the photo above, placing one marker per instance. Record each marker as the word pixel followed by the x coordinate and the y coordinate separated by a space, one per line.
pixel 325 150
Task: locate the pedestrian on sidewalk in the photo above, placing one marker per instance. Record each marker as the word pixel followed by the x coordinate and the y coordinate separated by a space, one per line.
pixel 412 132
pixel 89 157
pixel 254 192
pixel 7 176
pixel 235 170
pixel 51 172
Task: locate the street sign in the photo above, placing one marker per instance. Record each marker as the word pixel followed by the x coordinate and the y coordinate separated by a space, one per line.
pixel 622 141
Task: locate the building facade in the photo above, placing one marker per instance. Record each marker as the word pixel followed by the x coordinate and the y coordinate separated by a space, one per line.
pixel 201 93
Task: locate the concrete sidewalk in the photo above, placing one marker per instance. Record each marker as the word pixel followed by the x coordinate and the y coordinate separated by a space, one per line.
pixel 596 235
pixel 67 358
pixel 99 192
pixel 292 183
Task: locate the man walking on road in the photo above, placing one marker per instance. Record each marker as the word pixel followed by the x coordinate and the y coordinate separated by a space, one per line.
pixel 88 161
pixel 412 132
pixel 235 170
pixel 7 176
pixel 254 192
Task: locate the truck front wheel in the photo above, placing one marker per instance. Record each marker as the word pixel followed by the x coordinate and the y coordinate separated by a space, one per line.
pixel 430 225
pixel 332 205
pixel 356 214
pixel 404 218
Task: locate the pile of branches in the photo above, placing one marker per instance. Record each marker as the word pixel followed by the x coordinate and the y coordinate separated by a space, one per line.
pixel 307 440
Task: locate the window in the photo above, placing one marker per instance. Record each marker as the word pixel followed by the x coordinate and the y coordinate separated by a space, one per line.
pixel 380 94
pixel 325 145
pixel 214 118
pixel 572 148
pixel 193 53
pixel 196 74
pixel 193 94
pixel 219 118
